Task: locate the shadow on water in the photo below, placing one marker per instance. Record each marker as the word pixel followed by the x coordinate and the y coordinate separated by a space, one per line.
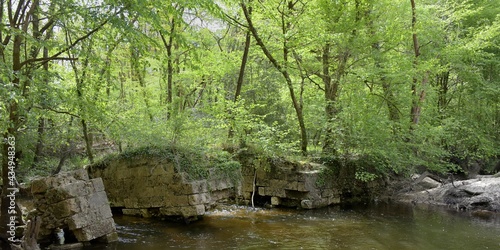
pixel 380 226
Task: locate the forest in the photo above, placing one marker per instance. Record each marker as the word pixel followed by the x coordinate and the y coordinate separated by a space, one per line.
pixel 406 84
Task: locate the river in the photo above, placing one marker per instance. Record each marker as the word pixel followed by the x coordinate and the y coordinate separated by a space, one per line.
pixel 379 226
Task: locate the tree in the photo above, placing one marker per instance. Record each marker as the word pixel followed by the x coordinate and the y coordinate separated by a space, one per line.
pixel 287 10
pixel 29 24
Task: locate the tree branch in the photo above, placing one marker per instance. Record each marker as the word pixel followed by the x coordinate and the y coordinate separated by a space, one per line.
pixel 73 44
pixel 57 111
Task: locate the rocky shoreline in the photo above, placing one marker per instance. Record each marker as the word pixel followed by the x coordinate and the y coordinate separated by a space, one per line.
pixel 480 196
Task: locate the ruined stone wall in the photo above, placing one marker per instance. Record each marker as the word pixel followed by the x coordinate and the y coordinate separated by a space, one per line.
pixel 73 202
pixel 286 183
pixel 152 187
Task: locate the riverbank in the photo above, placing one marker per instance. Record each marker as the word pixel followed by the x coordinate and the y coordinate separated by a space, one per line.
pixel 479 196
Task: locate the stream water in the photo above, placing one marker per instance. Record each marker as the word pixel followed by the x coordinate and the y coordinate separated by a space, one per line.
pixel 379 226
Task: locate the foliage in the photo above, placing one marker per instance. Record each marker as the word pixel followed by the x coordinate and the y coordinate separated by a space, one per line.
pixel 135 76
pixel 196 162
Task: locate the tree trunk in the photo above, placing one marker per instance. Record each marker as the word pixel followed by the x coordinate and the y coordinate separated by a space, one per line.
pixel 244 60
pixel 331 92
pixel 283 70
pixel 241 74
pixel 8 150
pixel 88 141
pixel 170 63
pixel 442 82
pixel 417 98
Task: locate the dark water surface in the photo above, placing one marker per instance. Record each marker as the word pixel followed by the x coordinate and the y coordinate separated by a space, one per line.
pixel 380 226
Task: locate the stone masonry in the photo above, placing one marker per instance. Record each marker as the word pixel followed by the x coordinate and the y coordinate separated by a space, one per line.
pixel 75 203
pixel 152 187
pixel 285 183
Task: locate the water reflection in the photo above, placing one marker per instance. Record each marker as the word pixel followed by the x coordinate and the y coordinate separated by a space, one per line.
pixel 381 226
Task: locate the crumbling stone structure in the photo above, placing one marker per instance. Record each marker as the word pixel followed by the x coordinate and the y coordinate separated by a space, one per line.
pixel 152 187
pixel 73 202
pixel 286 183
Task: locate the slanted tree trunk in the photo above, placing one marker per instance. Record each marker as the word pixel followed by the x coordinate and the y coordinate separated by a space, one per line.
pixel 284 71
pixel 241 74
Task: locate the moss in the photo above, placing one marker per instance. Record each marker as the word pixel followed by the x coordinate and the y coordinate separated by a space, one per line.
pixel 196 162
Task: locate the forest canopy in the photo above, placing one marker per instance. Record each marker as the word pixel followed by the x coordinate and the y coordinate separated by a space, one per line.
pixel 405 83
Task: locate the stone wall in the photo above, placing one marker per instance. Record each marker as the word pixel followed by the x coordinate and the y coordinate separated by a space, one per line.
pixel 152 187
pixel 286 183
pixel 73 202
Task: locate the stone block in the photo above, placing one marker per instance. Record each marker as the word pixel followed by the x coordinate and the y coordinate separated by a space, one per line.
pixel 189 188
pixel 104 212
pixel 185 211
pixel 262 180
pixel 220 195
pixel 262 191
pixel 76 189
pixel 170 211
pixel 111 237
pixel 55 195
pixel 131 202
pixel 199 186
pixel 247 185
pixel 301 186
pixel 175 200
pixel 98 199
pixel 200 209
pixel 306 204
pixel 198 199
pixel 148 192
pixel 98 184
pixel 275 191
pixel 65 208
pixel 318 203
pixel 95 230
pixel 108 238
pixel 278 184
pixel 79 220
pixel 275 201
pixel 156 201
pixel 292 185
pixel 39 186
pixel 220 184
